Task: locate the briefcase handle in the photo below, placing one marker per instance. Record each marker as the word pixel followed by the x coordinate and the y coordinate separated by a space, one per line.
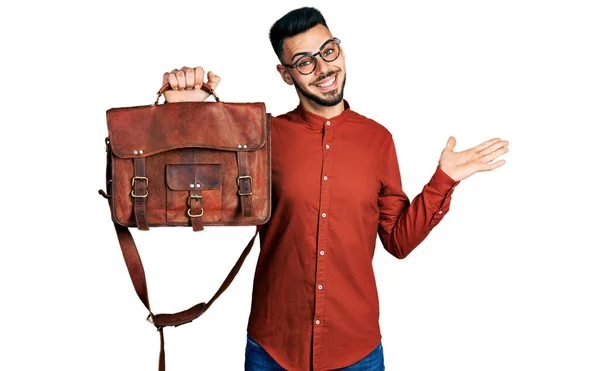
pixel 167 86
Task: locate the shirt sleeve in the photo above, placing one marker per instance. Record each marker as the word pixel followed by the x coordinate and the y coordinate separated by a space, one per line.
pixel 403 225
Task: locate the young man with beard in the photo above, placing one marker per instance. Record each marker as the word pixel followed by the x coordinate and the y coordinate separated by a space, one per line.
pixel 336 188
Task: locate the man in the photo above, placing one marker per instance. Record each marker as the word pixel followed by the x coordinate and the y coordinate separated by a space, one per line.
pixel 336 187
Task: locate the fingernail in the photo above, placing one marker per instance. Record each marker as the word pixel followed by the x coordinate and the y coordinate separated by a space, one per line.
pixel 196 87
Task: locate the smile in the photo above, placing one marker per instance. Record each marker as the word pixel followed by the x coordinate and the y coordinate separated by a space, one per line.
pixel 327 82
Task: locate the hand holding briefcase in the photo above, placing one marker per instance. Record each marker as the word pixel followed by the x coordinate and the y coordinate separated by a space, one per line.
pixel 186 164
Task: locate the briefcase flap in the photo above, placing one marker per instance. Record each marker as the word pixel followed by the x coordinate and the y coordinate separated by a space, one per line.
pixel 143 131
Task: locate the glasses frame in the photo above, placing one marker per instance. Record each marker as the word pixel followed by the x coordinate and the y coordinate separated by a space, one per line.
pixel 314 57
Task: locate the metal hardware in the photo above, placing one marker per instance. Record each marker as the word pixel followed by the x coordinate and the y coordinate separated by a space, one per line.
pixel 142 178
pixel 195 216
pixel 138 178
pixel 238 184
pixel 142 196
pixel 198 197
pixel 189 202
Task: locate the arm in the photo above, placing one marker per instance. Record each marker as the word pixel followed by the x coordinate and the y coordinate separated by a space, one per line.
pixel 404 225
pixel 185 84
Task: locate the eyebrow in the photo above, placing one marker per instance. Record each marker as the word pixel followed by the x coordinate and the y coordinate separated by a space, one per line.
pixel 309 53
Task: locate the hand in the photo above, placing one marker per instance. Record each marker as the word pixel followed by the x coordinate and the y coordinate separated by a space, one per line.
pixel 461 165
pixel 186 82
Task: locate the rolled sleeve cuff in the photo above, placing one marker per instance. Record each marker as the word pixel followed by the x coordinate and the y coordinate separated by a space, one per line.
pixel 441 182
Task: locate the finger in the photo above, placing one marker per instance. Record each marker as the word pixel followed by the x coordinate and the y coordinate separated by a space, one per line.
pixel 494 155
pixel 180 75
pixel 173 80
pixel 451 143
pixel 198 77
pixel 213 80
pixel 165 78
pixel 486 144
pixel 494 147
pixel 492 165
pixel 189 77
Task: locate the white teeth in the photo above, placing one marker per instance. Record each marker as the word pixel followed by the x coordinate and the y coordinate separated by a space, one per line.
pixel 327 83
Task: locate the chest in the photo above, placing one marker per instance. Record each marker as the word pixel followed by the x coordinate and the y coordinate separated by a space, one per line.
pixel 310 165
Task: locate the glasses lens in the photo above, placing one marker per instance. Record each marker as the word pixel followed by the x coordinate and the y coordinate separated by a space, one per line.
pixel 306 64
pixel 330 51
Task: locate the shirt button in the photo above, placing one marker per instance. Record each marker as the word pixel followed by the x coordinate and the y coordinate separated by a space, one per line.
pixel 323 215
pixel 318 322
pixel 322 252
pixel 328 123
pixel 325 177
pixel 440 212
pixel 320 287
pixel 327 146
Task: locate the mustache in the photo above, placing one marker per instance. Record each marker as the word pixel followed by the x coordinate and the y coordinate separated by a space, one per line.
pixel 324 76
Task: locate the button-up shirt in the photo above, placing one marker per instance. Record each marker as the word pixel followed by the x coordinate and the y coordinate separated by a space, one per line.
pixel 336 187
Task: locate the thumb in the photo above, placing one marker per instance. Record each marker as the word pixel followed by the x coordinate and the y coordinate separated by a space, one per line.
pixel 451 143
pixel 213 80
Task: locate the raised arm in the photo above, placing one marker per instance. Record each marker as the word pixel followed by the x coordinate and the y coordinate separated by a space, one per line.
pixel 403 225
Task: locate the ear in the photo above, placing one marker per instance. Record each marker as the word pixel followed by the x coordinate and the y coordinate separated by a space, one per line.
pixel 285 75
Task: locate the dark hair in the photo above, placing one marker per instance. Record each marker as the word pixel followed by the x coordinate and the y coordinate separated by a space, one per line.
pixel 294 23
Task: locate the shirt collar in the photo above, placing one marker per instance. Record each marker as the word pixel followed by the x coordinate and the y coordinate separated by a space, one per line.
pixel 315 121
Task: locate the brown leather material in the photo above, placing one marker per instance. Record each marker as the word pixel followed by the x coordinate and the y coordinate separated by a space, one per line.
pixel 244 184
pixel 155 129
pixel 204 87
pixel 180 177
pixel 185 164
pixel 107 194
pixel 196 210
pixel 138 278
pixel 188 315
pixel 133 263
pixel 198 133
pixel 161 355
pixel 140 188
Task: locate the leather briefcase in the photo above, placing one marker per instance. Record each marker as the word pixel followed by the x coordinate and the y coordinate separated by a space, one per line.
pixel 192 164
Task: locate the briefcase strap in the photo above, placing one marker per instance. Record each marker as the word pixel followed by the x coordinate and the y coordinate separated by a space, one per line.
pixel 244 181
pixel 138 278
pixel 139 192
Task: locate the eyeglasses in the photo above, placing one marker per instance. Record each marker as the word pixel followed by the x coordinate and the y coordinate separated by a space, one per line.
pixel 329 52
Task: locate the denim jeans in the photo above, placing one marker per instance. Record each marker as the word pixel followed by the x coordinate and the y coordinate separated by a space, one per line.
pixel 257 359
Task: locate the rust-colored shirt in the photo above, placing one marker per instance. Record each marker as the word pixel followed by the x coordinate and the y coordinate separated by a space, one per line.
pixel 336 187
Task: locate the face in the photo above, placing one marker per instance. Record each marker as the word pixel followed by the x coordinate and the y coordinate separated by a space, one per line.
pixel 325 85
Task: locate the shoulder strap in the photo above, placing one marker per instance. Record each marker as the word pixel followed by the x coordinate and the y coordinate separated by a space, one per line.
pixel 138 277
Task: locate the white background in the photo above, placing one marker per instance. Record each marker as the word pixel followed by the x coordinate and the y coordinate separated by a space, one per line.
pixel 509 280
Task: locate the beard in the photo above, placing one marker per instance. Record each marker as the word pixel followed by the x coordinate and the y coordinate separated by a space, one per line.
pixel 331 98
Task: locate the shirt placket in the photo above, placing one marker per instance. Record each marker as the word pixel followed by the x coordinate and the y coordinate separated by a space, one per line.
pixel 322 244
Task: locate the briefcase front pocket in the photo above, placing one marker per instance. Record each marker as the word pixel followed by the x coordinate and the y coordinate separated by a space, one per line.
pixel 193 191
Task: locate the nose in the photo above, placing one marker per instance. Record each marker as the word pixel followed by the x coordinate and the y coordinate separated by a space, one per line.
pixel 321 65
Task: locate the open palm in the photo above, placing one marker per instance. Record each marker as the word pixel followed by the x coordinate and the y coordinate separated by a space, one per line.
pixel 461 165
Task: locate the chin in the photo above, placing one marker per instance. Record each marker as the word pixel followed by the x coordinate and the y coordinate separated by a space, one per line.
pixel 325 98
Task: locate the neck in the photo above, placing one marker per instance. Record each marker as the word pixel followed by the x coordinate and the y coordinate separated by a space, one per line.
pixel 324 111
